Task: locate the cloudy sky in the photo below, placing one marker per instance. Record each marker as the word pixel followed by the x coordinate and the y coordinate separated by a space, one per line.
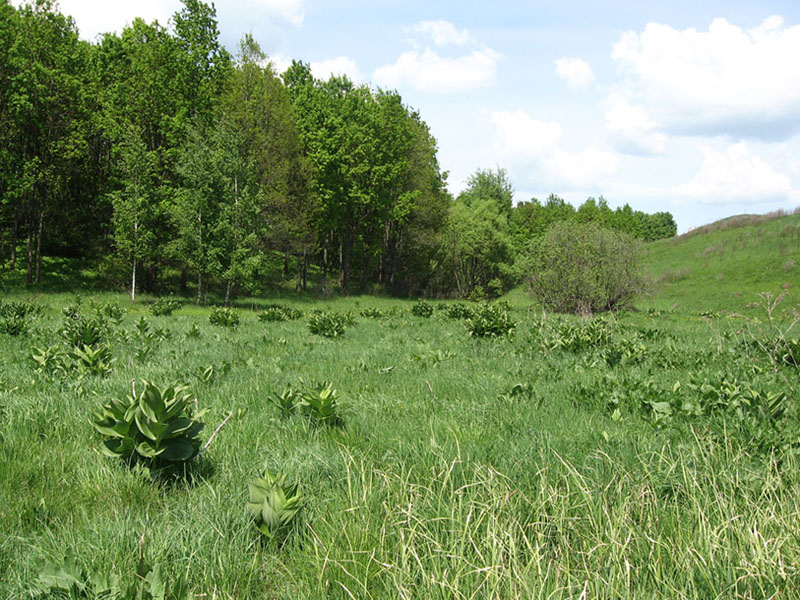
pixel 683 105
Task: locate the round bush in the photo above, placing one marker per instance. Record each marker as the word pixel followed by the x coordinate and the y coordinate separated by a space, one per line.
pixel 583 268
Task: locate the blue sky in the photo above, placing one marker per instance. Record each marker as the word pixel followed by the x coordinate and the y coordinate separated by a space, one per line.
pixel 686 106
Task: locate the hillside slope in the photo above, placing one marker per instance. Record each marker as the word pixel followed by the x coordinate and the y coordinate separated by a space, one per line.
pixel 724 266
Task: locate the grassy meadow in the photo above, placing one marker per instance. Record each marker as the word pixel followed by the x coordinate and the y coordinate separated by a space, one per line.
pixel 649 454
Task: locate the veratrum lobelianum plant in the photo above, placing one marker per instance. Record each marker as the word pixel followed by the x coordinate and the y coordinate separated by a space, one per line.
pixel 155 424
pixel 274 506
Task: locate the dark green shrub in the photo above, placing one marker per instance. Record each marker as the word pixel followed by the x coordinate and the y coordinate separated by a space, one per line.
pixel 458 310
pixel 164 307
pixel 80 332
pixel 279 312
pixel 422 309
pixel 373 313
pixel 327 324
pixel 489 320
pixel 583 268
pixel 14 316
pixel 223 316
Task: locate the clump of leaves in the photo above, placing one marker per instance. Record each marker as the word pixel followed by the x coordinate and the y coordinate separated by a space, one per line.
pixel 224 316
pixel 92 360
pixel 489 320
pixel 274 506
pixel 68 579
pixel 279 312
pixel 459 310
pixel 193 332
pixel 157 425
pixel 318 403
pixel 287 401
pixel 422 309
pixel 372 313
pixel 164 307
pixel 578 337
pixel 49 360
pixel 110 311
pixel 79 331
pixel 327 324
pixel 14 316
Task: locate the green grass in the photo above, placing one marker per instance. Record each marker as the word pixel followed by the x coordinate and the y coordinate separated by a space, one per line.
pixel 724 268
pixel 466 467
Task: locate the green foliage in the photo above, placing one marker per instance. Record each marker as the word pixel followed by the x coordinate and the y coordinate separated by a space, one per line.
pixel 15 316
pixel 278 312
pixel 372 313
pixel 68 579
pixel 91 360
pixel 154 424
pixel 582 268
pixel 111 311
pixel 327 324
pixel 318 403
pixel 274 506
pixel 164 307
pixel 422 309
pixel 459 310
pixel 489 320
pixel 79 331
pixel 224 316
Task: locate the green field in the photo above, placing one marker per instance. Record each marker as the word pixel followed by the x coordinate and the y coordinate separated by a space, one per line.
pixel 651 454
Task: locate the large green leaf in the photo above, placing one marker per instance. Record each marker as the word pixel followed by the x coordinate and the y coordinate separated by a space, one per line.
pixel 178 450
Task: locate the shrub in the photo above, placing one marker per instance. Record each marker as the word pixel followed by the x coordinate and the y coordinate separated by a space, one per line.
pixel 327 324
pixel 157 425
pixel 224 317
pixel 279 312
pixel 489 320
pixel 422 309
pixel 583 268
pixel 458 310
pixel 164 307
pixel 79 332
pixel 14 316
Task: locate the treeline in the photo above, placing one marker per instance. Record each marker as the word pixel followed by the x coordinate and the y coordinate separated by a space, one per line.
pixel 170 160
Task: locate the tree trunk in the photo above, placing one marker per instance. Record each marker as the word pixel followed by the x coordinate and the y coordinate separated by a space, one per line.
pixel 29 274
pixel 286 264
pixel 133 280
pixel 305 270
pixel 199 286
pixel 184 279
pixel 39 247
pixel 14 232
pixel 299 283
pixel 228 292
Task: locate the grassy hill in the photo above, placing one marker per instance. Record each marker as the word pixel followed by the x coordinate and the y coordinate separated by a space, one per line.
pixel 724 265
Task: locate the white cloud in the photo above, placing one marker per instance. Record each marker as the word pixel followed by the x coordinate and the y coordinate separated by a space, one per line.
pixel 429 72
pixel 443 33
pixel 726 80
pixel 575 71
pixel 735 176
pixel 280 62
pixel 579 170
pixel 631 130
pixel 525 141
pixel 94 17
pixel 523 137
pixel 341 65
pixel 290 11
